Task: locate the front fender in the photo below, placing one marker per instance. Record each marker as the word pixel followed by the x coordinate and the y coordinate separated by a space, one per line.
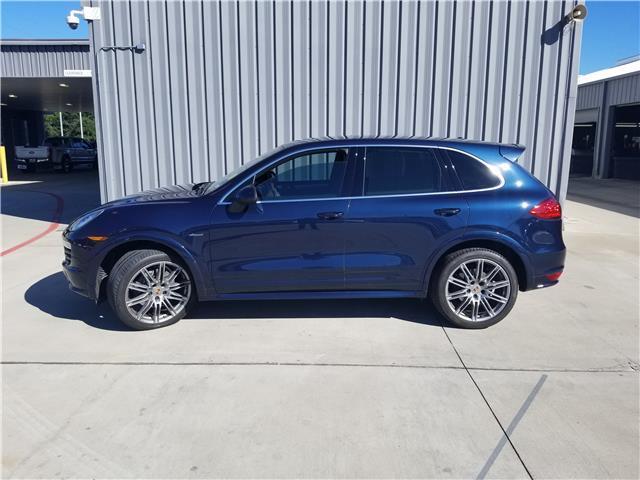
pixel 164 241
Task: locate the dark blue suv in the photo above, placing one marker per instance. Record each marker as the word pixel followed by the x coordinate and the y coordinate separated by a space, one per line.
pixel 332 218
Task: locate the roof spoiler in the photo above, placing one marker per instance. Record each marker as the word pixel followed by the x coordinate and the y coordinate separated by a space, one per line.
pixel 511 152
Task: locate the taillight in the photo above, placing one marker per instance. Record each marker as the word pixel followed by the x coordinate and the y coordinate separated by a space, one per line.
pixel 547 210
pixel 552 277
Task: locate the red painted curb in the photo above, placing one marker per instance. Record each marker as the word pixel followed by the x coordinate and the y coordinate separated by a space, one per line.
pixel 52 226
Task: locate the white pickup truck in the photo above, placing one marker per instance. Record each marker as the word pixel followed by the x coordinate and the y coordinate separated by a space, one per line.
pixel 62 153
pixel 29 158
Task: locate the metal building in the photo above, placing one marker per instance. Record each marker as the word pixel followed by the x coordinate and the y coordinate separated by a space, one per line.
pixel 218 83
pixel 606 141
pixel 189 90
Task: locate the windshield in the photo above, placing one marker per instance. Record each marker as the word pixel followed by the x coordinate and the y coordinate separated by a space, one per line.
pixel 211 187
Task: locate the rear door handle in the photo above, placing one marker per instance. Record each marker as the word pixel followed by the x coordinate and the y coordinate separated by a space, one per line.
pixel 446 212
pixel 330 215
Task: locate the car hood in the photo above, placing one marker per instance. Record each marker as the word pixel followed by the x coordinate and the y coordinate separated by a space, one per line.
pixel 164 194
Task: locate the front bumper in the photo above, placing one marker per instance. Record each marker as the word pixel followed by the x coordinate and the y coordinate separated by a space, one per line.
pixel 78 271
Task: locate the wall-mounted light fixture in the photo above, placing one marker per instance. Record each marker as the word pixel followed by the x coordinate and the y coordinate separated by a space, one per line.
pixel 63 85
pixel 138 48
pixel 577 14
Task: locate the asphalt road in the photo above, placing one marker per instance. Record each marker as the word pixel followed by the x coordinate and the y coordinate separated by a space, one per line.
pixel 373 389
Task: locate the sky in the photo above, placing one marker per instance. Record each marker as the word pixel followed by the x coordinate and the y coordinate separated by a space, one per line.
pixel 611 29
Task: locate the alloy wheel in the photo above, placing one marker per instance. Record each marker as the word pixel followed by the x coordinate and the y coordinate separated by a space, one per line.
pixel 158 292
pixel 478 290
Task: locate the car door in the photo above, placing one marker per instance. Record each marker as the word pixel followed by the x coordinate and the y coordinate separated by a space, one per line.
pixel 77 151
pixel 292 239
pixel 400 218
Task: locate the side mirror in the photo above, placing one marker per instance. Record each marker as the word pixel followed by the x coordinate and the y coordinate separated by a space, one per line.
pixel 243 198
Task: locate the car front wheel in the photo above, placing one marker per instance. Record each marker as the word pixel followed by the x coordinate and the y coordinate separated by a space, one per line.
pixel 475 288
pixel 148 289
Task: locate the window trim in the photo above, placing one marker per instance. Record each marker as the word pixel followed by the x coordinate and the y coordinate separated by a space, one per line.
pixel 357 148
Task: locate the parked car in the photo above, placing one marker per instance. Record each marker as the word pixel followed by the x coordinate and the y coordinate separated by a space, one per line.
pixel 28 159
pixel 69 152
pixel 358 218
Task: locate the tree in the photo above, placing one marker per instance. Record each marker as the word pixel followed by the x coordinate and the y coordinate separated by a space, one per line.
pixel 71 125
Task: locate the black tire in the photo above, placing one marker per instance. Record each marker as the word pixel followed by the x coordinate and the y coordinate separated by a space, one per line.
pixel 125 270
pixel 451 264
pixel 67 166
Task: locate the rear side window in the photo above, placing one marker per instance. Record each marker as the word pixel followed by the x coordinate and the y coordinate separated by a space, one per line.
pixel 391 171
pixel 473 174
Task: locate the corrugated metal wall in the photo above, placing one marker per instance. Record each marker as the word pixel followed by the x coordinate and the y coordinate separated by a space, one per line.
pixel 43 59
pixel 589 96
pixel 625 90
pixel 221 82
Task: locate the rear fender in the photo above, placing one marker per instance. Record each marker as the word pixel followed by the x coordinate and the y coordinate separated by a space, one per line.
pixel 479 236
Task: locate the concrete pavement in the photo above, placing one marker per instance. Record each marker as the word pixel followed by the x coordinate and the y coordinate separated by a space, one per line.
pixel 373 389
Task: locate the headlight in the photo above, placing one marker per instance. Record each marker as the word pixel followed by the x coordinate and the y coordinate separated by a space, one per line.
pixel 85 219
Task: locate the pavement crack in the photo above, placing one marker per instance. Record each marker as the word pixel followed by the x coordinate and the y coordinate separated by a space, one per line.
pixel 505 432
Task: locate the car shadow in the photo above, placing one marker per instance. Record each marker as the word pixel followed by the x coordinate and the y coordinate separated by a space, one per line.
pixel 52 296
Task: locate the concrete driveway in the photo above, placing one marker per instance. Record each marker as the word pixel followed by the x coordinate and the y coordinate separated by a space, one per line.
pixel 373 389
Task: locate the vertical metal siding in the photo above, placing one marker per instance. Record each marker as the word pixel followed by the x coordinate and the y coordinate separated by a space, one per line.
pixel 21 59
pixel 623 90
pixel 589 96
pixel 222 82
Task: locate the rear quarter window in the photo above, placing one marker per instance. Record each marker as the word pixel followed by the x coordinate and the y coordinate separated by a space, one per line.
pixel 473 174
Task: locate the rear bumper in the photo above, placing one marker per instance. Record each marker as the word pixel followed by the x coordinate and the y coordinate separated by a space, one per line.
pixel 545 267
pixel 22 163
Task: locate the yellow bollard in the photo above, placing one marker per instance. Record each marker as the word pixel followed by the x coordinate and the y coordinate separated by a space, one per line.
pixel 3 165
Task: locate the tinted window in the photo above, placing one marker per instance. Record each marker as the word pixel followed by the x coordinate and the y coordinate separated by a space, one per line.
pixel 401 170
pixel 313 175
pixel 473 174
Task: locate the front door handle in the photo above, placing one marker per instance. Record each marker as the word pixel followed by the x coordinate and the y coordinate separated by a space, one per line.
pixel 446 212
pixel 330 215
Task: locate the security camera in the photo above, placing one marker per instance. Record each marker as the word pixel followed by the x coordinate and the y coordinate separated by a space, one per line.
pixel 89 14
pixel 577 14
pixel 73 21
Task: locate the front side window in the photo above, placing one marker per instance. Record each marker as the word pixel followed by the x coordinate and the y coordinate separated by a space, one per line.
pixel 390 171
pixel 312 175
pixel 473 174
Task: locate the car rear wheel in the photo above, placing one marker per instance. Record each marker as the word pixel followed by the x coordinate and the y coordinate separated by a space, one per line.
pixel 148 289
pixel 475 288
